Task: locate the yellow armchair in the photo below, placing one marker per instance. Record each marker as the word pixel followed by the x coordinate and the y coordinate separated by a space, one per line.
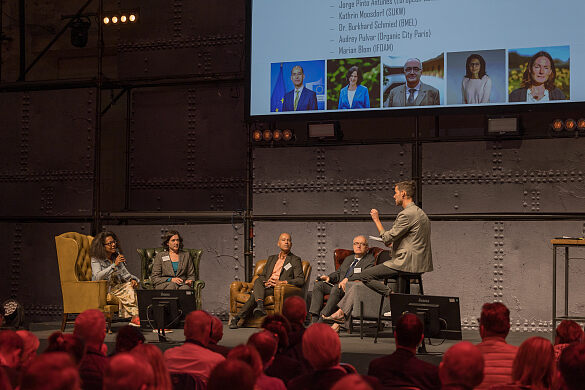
pixel 79 292
pixel 240 293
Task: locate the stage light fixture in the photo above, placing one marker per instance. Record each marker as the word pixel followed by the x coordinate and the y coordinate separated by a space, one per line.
pixel 123 18
pixel 114 19
pixel 277 135
pixel 132 17
pixel 581 124
pixel 267 135
pixel 558 125
pixel 106 20
pixel 79 31
pixel 257 135
pixel 287 135
pixel 570 124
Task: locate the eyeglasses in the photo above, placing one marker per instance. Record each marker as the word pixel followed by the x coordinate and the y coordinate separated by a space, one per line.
pixel 409 69
pixel 360 244
pixel 110 243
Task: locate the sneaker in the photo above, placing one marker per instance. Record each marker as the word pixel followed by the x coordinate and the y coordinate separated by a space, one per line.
pixel 388 314
pixel 259 312
pixel 135 321
pixel 166 330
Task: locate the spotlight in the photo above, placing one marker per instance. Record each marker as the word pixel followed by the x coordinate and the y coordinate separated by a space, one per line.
pixel 570 124
pixel 581 124
pixel 114 19
pixel 132 17
pixel 277 135
pixel 106 20
pixel 123 19
pixel 257 135
pixel 79 29
pixel 267 135
pixel 287 135
pixel 558 125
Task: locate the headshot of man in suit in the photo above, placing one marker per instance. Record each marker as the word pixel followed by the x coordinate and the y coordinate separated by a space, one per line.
pixel 414 92
pixel 300 98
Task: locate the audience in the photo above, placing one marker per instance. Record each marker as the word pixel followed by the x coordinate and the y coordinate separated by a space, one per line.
pixel 51 371
pixel 494 325
pixel 294 310
pixel 11 347
pixel 352 382
pixel 283 366
pixel 231 373
pixel 462 367
pixel 533 366
pixel 249 355
pixel 90 326
pixel 216 336
pixel 567 333
pixel 193 357
pixel 266 343
pixel 403 368
pixel 30 346
pixel 572 367
pixel 152 355
pixel 127 338
pixel 128 372
pixel 322 348
pixel 69 343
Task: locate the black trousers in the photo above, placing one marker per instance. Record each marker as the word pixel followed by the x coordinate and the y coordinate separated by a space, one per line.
pixel 258 292
pixel 320 289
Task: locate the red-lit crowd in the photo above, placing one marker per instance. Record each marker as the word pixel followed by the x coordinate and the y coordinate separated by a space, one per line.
pixel 286 355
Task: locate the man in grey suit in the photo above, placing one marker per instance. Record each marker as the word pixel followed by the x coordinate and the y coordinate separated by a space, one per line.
pixel 414 92
pixel 334 283
pixel 279 269
pixel 410 238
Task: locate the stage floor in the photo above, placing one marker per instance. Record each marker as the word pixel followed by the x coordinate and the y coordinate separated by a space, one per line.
pixel 356 351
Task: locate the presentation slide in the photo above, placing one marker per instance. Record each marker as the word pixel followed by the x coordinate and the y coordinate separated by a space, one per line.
pixel 322 56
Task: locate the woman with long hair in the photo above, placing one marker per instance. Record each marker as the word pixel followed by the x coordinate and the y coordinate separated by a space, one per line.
pixel 172 269
pixel 154 357
pixel 538 81
pixel 476 86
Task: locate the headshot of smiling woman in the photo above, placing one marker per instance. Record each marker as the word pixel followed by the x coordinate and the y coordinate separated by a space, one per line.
pixel 538 81
pixel 476 86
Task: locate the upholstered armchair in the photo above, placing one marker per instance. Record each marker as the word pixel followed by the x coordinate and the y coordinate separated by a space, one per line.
pixel 147 256
pixel 240 293
pixel 79 292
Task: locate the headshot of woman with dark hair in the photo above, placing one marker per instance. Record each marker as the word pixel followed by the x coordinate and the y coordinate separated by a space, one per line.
pixel 354 95
pixel 108 263
pixel 538 81
pixel 173 268
pixel 476 86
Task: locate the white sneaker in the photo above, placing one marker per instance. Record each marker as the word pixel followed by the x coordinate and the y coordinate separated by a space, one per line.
pixel 166 331
pixel 388 314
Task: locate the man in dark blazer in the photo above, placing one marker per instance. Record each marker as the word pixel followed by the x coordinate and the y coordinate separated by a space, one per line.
pixel 283 268
pixel 300 98
pixel 334 283
pixel 402 368
pixel 414 92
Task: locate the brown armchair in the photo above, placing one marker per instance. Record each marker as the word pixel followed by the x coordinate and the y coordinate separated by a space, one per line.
pixel 240 293
pixel 80 293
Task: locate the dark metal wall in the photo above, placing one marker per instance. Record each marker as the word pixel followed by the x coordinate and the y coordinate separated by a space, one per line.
pixel 174 138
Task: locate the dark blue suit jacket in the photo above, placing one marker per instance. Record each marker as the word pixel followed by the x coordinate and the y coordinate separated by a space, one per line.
pixel 307 101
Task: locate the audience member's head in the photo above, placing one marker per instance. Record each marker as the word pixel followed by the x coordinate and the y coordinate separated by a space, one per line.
pixel 90 326
pixel 572 366
pixel 153 356
pixel 11 348
pixel 249 355
pixel 280 326
pixel 51 371
pixel 216 330
pixel 4 380
pixel 494 320
pixel 127 338
pixel 568 332
pixel 231 373
pixel 266 344
pixel 462 365
pixel 69 343
pixel 128 372
pixel 31 345
pixel 352 382
pixel 198 326
pixel 408 331
pixel 295 311
pixel 534 363
pixel 321 346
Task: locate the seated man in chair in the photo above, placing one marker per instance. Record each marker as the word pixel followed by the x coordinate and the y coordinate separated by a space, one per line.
pixel 282 268
pixel 334 283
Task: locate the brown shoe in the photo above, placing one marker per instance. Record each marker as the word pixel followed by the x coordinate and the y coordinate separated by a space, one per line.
pixel 336 327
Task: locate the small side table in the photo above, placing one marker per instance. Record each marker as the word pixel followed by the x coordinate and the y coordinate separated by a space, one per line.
pixel 562 243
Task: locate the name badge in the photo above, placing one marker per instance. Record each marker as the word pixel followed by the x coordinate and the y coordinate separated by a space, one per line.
pixel 287 267
pixel 357 270
pixel 166 258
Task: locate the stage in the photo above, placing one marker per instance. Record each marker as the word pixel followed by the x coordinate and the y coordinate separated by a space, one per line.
pixel 356 351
